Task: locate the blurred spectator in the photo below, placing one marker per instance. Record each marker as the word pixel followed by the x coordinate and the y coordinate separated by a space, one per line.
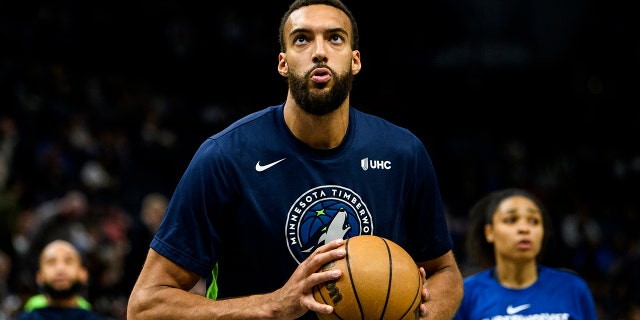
pixel 61 277
pixel 66 218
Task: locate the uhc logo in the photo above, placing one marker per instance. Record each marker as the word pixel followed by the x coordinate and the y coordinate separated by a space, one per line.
pixel 367 164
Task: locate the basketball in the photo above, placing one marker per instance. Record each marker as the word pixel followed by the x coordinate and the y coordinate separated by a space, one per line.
pixel 379 280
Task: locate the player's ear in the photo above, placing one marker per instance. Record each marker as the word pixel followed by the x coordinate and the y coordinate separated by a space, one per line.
pixel 488 233
pixel 83 275
pixel 283 67
pixel 356 63
pixel 39 278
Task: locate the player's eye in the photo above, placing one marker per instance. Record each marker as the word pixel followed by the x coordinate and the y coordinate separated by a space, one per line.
pixel 336 38
pixel 299 39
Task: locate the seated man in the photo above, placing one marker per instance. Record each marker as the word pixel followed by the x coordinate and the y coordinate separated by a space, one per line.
pixel 61 276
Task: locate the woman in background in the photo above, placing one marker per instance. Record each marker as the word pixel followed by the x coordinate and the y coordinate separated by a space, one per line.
pixel 508 230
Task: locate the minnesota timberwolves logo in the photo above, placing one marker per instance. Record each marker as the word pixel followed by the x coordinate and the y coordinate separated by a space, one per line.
pixel 323 214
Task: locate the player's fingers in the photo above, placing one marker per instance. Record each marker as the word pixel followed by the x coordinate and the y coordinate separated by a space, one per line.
pixel 329 246
pixel 310 303
pixel 316 279
pixel 426 294
pixel 325 254
pixel 321 277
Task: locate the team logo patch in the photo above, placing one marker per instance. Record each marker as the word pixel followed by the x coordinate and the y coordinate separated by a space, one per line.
pixel 323 214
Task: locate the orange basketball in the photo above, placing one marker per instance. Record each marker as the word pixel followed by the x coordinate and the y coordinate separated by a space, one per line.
pixel 379 280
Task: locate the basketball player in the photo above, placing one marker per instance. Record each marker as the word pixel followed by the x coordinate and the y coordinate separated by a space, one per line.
pixel 265 203
pixel 507 233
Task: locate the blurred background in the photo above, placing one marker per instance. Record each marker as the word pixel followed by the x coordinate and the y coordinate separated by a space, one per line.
pixel 103 103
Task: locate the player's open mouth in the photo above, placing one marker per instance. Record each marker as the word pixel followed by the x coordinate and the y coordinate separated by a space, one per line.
pixel 320 75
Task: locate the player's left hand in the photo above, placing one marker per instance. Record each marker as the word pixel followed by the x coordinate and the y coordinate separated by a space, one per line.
pixel 426 295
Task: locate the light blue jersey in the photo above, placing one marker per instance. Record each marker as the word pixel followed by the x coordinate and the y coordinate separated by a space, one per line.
pixel 556 295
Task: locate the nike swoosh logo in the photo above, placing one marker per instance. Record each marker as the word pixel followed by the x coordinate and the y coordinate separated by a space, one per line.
pixel 512 310
pixel 260 168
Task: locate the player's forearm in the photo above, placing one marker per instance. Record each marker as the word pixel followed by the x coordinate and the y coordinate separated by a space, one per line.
pixel 172 303
pixel 446 293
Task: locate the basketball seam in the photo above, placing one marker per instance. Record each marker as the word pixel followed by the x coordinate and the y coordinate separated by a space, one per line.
pixel 353 285
pixel 386 300
pixel 316 289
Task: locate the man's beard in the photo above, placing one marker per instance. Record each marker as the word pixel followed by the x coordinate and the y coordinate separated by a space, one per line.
pixel 320 103
pixel 65 293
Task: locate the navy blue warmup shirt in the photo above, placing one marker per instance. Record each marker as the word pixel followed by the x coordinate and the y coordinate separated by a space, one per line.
pixel 257 201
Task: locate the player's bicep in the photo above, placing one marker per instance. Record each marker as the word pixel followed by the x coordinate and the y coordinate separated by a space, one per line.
pixel 159 271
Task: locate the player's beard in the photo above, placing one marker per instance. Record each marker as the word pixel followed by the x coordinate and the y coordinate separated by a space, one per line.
pixel 320 102
pixel 63 293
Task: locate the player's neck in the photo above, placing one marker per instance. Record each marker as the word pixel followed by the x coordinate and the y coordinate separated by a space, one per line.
pixel 320 132
pixel 63 303
pixel 516 275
